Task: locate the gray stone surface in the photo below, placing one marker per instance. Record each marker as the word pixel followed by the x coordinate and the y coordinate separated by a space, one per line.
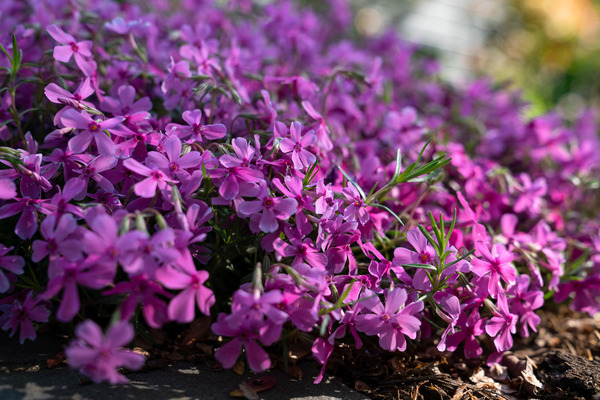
pixel 24 375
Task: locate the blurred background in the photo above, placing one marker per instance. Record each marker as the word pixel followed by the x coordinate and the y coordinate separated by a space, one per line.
pixel 549 49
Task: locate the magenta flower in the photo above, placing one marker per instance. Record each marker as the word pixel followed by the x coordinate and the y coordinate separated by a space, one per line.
pixel 98 356
pixel 531 198
pixel 93 169
pixel 497 264
pixel 174 162
pixel 66 275
pixel 356 209
pixel 301 157
pixel 502 326
pixel 27 224
pixel 450 312
pixel 237 170
pixel 469 330
pixel 155 178
pixel 184 276
pixel 141 290
pixel 91 129
pixel 57 241
pixel 20 314
pixel 391 322
pixel 244 338
pixel 524 301
pixel 58 95
pixel 268 210
pixel 126 106
pixel 8 189
pixel 424 253
pixel 195 131
pixel 71 48
pixel 13 264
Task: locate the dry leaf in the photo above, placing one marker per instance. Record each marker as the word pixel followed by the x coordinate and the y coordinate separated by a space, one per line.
pixel 57 360
pixel 299 349
pixel 361 386
pixel 239 367
pixel 141 351
pixel 529 375
pixel 245 391
pixel 256 385
pixel 499 372
pixel 198 330
pixel 460 392
pixel 295 371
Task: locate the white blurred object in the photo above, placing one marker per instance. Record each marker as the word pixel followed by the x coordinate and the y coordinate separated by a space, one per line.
pixel 456 29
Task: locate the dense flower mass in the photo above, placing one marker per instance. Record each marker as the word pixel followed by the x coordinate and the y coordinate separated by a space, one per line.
pixel 247 163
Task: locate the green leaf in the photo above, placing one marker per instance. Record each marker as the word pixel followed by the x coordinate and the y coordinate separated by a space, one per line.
pixel 362 193
pixel 17 56
pixel 429 238
pixel 5 52
pixel 393 214
pixel 422 266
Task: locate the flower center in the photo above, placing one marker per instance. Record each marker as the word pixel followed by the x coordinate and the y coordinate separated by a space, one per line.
pixel 74 47
pixel 268 202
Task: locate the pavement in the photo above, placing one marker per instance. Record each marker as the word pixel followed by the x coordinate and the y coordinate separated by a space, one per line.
pixel 25 375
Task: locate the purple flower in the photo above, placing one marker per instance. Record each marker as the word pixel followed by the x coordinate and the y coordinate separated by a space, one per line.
pixel 424 253
pixel 58 95
pixel 356 209
pixel 532 197
pixel 98 356
pixel 174 162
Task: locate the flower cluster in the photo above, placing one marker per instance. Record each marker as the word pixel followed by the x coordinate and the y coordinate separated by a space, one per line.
pixel 161 156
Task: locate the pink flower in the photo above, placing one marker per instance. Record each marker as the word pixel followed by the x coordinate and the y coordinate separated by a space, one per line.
pixel 98 356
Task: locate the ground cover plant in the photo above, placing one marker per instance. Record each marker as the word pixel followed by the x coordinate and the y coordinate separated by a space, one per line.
pixel 165 161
